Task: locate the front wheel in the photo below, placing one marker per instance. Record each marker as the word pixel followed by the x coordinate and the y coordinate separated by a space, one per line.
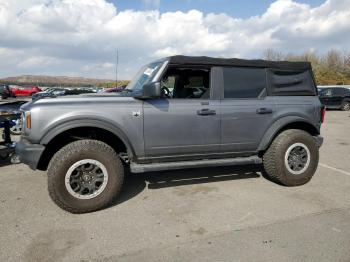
pixel 85 176
pixel 292 158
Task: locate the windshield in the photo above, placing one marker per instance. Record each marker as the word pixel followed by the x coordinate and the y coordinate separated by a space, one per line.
pixel 143 76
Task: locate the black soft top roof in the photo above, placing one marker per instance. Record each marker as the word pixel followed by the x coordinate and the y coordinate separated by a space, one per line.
pixel 204 60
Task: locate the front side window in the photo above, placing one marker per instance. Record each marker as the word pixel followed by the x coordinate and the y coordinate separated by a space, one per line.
pixel 326 92
pixel 186 83
pixel 242 82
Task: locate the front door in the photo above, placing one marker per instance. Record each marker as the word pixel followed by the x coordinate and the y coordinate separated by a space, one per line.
pixel 185 121
pixel 180 127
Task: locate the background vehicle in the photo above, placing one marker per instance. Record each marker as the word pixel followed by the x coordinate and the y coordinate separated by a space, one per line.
pixel 335 97
pixel 178 112
pixel 7 146
pixel 5 92
pixel 114 89
pixel 25 90
pixel 13 109
pixel 50 92
pixel 54 92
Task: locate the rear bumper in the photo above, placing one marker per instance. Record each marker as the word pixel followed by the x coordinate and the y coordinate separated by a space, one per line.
pixel 29 153
pixel 319 140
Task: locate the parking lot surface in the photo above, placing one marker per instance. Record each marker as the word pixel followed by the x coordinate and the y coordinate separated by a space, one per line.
pixel 214 214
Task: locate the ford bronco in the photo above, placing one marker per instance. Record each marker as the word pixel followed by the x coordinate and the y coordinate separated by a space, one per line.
pixel 178 112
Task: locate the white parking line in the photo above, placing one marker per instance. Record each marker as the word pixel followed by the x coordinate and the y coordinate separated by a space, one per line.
pixel 335 169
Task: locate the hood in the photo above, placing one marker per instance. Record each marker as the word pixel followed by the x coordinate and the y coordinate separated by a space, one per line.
pixel 81 100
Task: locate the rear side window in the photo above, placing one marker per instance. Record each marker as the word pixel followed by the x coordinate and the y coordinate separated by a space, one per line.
pixel 241 82
pixel 338 91
pixel 291 82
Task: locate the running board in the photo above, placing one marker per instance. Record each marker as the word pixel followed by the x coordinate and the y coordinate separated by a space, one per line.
pixel 141 168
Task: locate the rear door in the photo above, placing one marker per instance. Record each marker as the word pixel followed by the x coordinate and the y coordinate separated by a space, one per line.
pixel 338 96
pixel 246 111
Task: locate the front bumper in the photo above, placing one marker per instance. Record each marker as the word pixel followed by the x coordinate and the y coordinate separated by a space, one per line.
pixel 29 153
pixel 319 140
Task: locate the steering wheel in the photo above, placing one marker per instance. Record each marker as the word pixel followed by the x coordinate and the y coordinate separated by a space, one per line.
pixel 165 92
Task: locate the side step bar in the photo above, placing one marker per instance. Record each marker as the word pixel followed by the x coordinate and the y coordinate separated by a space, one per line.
pixel 141 168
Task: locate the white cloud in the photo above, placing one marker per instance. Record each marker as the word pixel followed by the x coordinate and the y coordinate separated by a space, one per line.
pixel 78 37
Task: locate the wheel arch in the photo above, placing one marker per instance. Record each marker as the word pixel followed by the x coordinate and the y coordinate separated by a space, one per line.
pixel 285 123
pixel 345 100
pixel 70 131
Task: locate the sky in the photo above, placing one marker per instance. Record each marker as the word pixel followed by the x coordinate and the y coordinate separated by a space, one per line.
pixel 236 8
pixel 80 38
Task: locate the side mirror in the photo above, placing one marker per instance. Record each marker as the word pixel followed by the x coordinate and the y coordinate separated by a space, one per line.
pixel 150 90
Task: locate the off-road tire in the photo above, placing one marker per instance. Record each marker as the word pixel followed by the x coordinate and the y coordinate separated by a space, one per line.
pixel 274 158
pixel 345 106
pixel 70 154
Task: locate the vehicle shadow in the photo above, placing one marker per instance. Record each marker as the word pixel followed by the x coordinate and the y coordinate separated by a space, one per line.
pixel 134 184
pixel 4 162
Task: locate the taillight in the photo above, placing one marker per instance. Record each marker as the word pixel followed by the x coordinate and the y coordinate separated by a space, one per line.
pixel 323 113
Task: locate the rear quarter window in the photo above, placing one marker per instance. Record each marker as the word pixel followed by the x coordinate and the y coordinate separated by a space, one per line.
pixel 291 82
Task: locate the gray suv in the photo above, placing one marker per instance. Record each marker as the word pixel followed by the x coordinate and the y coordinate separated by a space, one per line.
pixel 178 112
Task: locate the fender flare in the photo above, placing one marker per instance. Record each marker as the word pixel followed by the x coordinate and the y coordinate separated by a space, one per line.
pixel 277 126
pixel 63 126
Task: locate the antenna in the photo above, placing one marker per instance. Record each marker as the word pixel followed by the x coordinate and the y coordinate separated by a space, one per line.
pixel 116 69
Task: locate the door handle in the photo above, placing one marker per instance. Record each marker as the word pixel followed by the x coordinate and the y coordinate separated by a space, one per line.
pixel 206 112
pixel 264 110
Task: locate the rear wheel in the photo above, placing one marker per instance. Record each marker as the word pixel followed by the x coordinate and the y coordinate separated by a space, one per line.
pixel 85 176
pixel 292 158
pixel 345 106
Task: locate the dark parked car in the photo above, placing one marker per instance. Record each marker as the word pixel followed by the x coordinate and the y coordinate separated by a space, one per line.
pixel 335 97
pixel 178 112
pixel 5 92
pixel 50 92
pixel 13 108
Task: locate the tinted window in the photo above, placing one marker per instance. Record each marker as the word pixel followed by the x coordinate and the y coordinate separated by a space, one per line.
pixel 325 92
pixel 338 91
pixel 243 82
pixel 291 82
